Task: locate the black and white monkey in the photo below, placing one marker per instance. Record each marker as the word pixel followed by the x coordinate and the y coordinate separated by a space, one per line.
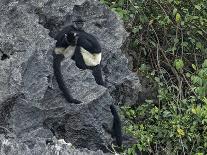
pixel 85 50
pixel 80 46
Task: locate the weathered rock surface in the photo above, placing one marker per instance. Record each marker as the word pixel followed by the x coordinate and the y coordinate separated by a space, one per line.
pixel 31 104
pixel 17 147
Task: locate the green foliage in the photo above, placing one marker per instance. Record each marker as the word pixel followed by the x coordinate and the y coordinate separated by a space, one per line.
pixel 199 80
pixel 174 125
pixel 169 39
pixel 179 64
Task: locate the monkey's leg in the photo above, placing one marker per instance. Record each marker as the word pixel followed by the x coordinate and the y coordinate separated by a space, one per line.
pixel 97 73
pixel 77 57
pixel 57 58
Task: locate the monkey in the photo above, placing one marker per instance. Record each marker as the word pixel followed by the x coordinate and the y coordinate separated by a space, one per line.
pixel 81 47
pixel 85 50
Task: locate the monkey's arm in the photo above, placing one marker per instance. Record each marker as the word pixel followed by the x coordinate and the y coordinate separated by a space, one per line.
pixel 97 73
pixel 57 58
pixel 77 57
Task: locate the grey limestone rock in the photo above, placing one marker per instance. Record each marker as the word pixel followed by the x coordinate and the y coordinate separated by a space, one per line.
pixel 31 104
pixel 13 146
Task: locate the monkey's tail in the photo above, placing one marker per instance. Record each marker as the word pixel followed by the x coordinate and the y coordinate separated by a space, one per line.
pixel 116 125
pixel 57 58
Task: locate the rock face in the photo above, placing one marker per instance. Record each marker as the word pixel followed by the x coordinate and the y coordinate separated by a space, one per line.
pixel 15 147
pixel 31 104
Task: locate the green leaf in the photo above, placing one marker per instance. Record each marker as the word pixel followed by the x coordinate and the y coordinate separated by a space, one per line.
pixel 153 43
pixel 200 32
pixel 196 80
pixel 166 113
pixel 198 7
pixel 173 49
pixel 177 17
pixel 184 44
pixel 179 64
pixel 200 91
pixel 103 1
pixel 135 30
pixel 194 67
pixel 180 132
pixel 176 40
pixel 188 75
pixel 175 11
pixel 114 10
pixel 203 73
pixel 130 151
pixel 157 79
pixel 167 19
pixel 136 7
pixel 204 65
pixel 198 45
pixel 177 2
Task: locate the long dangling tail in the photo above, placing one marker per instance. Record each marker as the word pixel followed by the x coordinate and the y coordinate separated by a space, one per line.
pixel 57 58
pixel 117 133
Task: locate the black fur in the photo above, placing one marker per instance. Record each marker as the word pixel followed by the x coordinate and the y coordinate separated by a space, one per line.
pixel 116 128
pixel 91 44
pixel 98 75
pixel 66 38
pixel 57 58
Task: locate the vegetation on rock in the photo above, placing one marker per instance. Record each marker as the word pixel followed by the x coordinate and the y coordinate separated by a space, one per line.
pixel 168 44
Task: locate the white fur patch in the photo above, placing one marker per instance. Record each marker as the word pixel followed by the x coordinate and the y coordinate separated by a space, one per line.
pixel 67 52
pixel 90 59
pixel 59 50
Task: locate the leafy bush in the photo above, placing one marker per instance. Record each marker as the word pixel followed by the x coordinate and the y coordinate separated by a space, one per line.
pixel 174 125
pixel 169 45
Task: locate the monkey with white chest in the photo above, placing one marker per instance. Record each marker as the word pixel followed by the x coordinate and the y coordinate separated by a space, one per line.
pixel 85 50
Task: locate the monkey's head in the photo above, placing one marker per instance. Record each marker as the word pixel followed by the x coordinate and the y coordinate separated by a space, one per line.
pixel 71 38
